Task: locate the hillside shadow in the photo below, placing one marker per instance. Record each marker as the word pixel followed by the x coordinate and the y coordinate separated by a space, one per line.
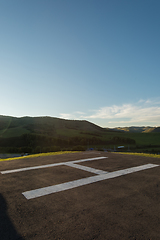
pixel 7 229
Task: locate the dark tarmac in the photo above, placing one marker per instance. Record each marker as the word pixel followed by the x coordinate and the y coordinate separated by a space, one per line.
pixel 124 207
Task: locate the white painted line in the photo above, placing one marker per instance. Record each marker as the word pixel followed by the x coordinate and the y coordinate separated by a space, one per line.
pixel 86 160
pixel 49 165
pixel 31 168
pixel 88 169
pixel 81 182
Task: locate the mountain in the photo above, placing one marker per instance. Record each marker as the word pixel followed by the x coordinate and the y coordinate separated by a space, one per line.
pixel 156 130
pixel 15 127
pixel 57 127
pixel 42 134
pixel 138 129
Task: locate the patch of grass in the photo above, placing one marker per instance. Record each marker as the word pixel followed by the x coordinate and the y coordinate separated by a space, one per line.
pixel 145 138
pixel 140 154
pixel 16 132
pixel 39 155
pixel 68 132
pixel 140 138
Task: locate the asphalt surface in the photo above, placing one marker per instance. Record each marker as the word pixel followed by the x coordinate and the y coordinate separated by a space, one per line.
pixel 123 207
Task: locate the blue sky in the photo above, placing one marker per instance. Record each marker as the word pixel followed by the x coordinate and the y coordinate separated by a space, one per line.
pixel 96 60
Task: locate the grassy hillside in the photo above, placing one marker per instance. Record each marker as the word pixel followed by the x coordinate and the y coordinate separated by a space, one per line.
pixel 152 138
pixel 14 127
pixel 37 134
pixel 156 130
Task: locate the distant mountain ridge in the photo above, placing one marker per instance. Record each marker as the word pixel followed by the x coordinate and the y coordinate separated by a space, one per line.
pixel 138 129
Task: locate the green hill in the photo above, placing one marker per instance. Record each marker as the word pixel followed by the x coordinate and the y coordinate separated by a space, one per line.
pixel 43 134
pixel 49 126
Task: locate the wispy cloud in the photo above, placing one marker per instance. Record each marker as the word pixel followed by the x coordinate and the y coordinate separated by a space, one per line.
pixel 66 115
pixel 75 115
pixel 143 112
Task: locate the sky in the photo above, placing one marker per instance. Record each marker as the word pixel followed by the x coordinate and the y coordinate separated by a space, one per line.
pixel 94 60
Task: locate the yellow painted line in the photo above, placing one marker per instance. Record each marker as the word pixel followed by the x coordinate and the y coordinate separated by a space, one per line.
pixel 37 155
pixel 139 154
